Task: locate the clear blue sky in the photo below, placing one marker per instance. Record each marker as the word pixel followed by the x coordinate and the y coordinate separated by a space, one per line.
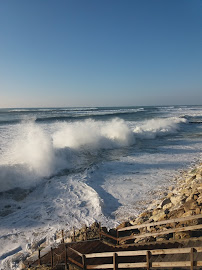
pixel 100 52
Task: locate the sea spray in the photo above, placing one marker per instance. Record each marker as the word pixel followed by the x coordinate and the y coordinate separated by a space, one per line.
pixel 121 178
pixel 34 153
pixel 150 129
pixel 93 135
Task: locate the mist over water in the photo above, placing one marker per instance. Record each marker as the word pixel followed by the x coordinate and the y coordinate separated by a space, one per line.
pixel 62 167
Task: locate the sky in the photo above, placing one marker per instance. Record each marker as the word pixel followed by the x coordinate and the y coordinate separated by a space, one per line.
pixel 60 53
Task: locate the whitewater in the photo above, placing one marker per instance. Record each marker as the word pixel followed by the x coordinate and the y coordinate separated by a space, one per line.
pixel 65 167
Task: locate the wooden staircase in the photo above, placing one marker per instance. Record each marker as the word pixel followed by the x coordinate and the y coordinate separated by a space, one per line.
pixel 99 254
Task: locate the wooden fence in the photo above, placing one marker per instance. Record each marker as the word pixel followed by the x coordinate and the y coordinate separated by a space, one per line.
pixel 149 257
pixel 116 257
pixel 148 226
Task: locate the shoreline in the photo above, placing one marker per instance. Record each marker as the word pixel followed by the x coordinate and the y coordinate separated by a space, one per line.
pixel 183 198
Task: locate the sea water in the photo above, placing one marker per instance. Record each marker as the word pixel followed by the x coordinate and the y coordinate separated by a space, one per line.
pixel 65 167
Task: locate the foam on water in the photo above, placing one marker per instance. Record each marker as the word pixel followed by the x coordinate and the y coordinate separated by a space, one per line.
pixel 158 127
pixel 35 152
pixel 75 172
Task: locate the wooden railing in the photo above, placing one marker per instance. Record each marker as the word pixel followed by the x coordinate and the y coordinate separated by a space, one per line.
pixel 148 259
pixel 148 226
pixel 148 263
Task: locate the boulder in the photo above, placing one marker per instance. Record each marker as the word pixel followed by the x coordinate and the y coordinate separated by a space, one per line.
pixel 164 202
pixel 190 205
pixel 123 225
pixel 182 235
pixel 167 206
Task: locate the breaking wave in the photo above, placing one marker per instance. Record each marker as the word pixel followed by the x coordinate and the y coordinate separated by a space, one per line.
pixel 158 127
pixel 38 151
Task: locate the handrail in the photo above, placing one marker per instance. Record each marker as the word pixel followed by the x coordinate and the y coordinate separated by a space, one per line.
pixel 148 263
pixel 108 235
pixel 160 223
pixel 142 252
pixel 181 229
pixel 75 251
pixel 119 239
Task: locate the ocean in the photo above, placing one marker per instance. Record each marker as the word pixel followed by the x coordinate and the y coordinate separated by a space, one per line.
pixel 65 167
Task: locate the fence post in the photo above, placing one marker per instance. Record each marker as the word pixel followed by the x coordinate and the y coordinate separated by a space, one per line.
pixel 66 257
pixel 117 236
pixel 63 236
pixel 84 261
pixel 192 258
pixel 100 230
pixel 148 255
pixel 73 234
pixel 51 257
pixel 115 262
pixel 85 237
pixel 39 256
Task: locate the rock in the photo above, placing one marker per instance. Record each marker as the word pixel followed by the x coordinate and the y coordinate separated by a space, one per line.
pixel 182 235
pixel 123 225
pixel 170 194
pixel 190 205
pixel 166 211
pixel 164 202
pixel 175 199
pixel 159 217
pixel 155 212
pixel 168 205
pixel 188 213
pixel 199 200
pixel 176 213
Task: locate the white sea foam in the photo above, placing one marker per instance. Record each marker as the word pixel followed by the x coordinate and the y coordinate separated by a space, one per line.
pixel 105 189
pixel 93 135
pixel 158 127
pixel 35 152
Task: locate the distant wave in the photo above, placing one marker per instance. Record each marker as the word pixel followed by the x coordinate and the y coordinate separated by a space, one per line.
pixel 152 128
pixel 71 114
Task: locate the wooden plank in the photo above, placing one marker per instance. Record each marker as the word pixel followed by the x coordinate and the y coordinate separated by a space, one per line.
pixel 171 264
pixel 84 262
pixel 143 252
pixel 115 262
pixel 100 266
pixel 160 222
pixel 132 253
pixel 148 259
pixel 191 259
pixel 62 232
pixel 73 234
pixel 99 255
pixel 199 263
pixel 75 251
pixel 100 228
pixel 75 262
pixel 132 265
pixel 119 253
pixel 170 251
pixel 108 235
pixel 39 256
pixel 66 257
pixel 198 249
pixel 182 229
pixel 51 257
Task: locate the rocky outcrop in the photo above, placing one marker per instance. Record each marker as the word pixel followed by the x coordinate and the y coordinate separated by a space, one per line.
pixel 183 200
